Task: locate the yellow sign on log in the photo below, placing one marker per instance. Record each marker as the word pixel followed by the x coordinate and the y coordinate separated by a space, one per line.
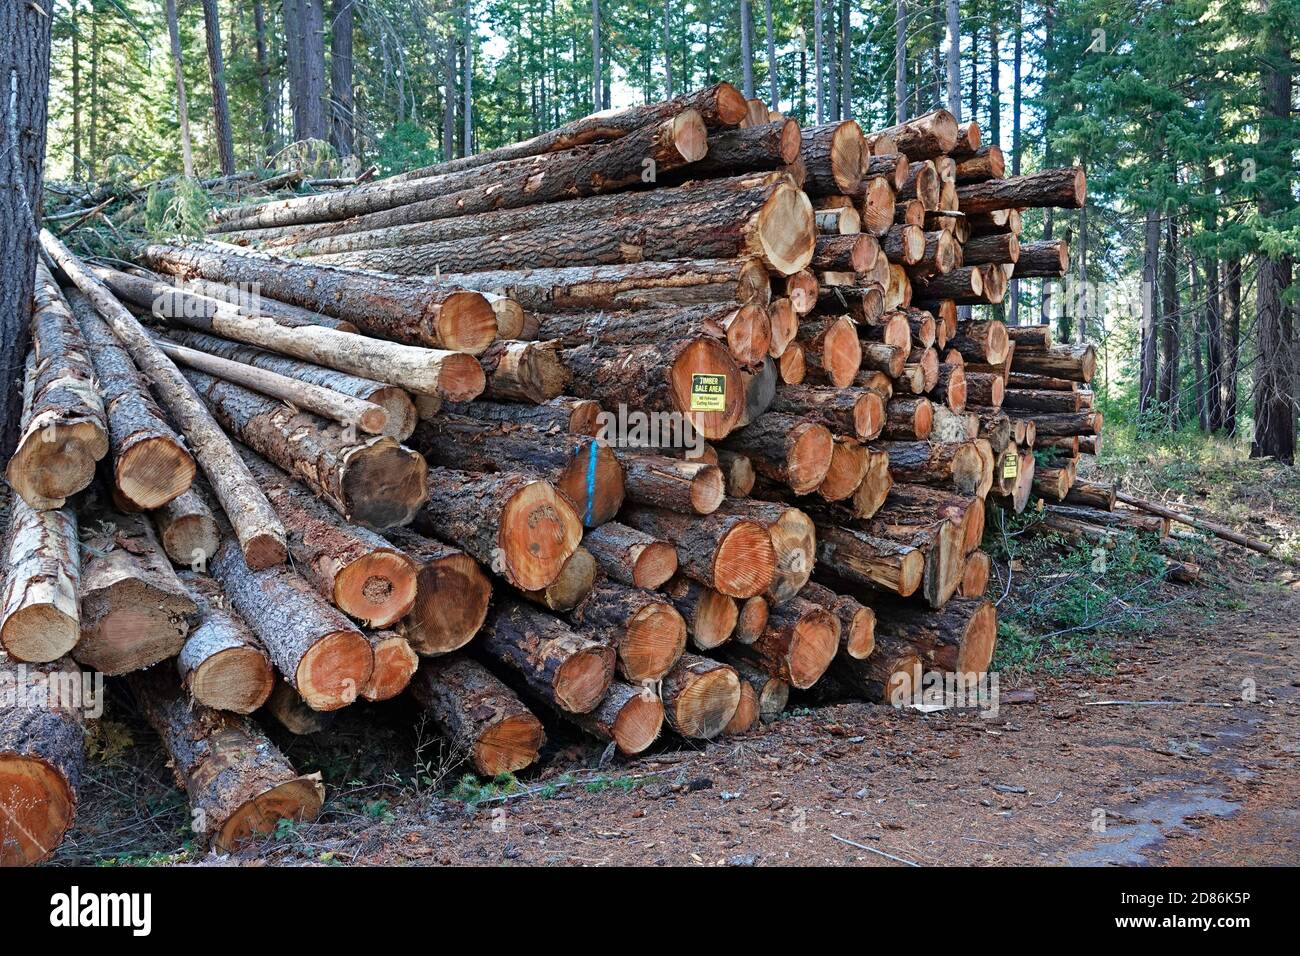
pixel 708 393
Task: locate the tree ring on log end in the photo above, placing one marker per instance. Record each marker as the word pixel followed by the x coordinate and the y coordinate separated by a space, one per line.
pixel 152 472
pixel 334 670
pixel 465 322
pixel 237 679
pixel 810 458
pixel 745 560
pixel 690 136
pixel 812 648
pixel 708 489
pixel 593 482
pixel 451 605
pixel 460 377
pixel 715 619
pixel 654 639
pixel 298 799
pixel 978 640
pixel 638 723
pixel 384 484
pixel 36 809
pixel 705 356
pixel 655 565
pixel 787 230
pixel 539 531
pixel 376 589
pixel 582 680
pixel 707 704
pixel 509 745
pixel 39 633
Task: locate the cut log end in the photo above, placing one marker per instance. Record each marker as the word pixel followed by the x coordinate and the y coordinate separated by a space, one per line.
pixel 812 648
pixel 395 665
pixel 384 485
pixel 715 620
pixel 708 489
pixel 654 566
pixel 461 378
pixel 654 640
pixel 979 640
pixel 509 745
pixel 334 670
pixel 690 136
pixel 707 703
pixel 58 460
pixel 36 809
pixel 708 357
pixel 264 549
pixel 751 620
pixel 582 680
pixel 376 589
pixel 539 530
pixel 638 723
pixel 787 231
pixel 594 483
pixel 451 605
pixel 465 322
pixel 745 560
pixel 238 679
pixel 39 632
pixel 297 799
pixel 809 458
pixel 152 472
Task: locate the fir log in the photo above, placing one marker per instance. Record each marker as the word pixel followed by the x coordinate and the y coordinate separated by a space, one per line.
pixel 65 429
pixel 317 650
pixel 904 245
pixel 987 162
pixel 746 150
pixel 959 638
pixel 922 184
pixel 893 168
pixel 850 460
pixel 1089 444
pixel 1092 494
pixel 188 529
pixel 571 586
pixel 480 716
pixel 966 512
pixel 738 472
pixel 831 350
pixel 399 419
pixel 355 569
pixel 730 554
pixel 451 594
pixel 516 524
pixel 892 328
pixel 238 782
pixel 42 757
pixel 846 253
pixel 857 621
pixel 975 577
pixel 833 154
pixel 968 140
pixel 982 342
pixel 134 610
pixel 877 205
pixel 567 670
pixel 995 283
pixel 222 664
pixel 700 697
pixel 995 221
pixel 583 469
pixel 934 134
pixel 710 617
pixel 745 718
pixel 581 416
pixel 1031 338
pixel 1074 362
pixel 794 540
pixel 798 644
pixel 1063 446
pixel 150 464
pixel 629 717
pixel 942 254
pixel 772 692
pixel 1121 520
pixel 879 357
pixel 658 378
pixel 673 483
pixel 954 464
pixel 1024 380
pixel 864 305
pixel 843 221
pixel 642 626
pixel 870 495
pixel 631 557
pixel 395 665
pixel 40 617
pixel 791 450
pixel 965 283
pixel 751 620
pixel 995 426
pixel 1063 188
pixel 746 329
pixel 908 419
pixel 1017 481
pixel 1049 258
pixel 984 250
pixel 888 676
pixel 773 223
pixel 866 560
pixel 910 212
pixel 260 534
pixel 581 171
pixel 412 310
pixel 950 426
pixel 719 105
pixel 1043 400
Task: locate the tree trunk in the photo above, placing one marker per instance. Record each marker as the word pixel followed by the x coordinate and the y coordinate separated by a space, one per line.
pixel 467 83
pixel 817 62
pixel 846 62
pixel 261 536
pixel 42 735
pixel 25 71
pixel 182 108
pixel 925 137
pixel 270 104
pixel 217 71
pixel 1170 338
pixel 747 48
pixel 900 62
pixel 1232 343
pixel 342 103
pixel 311 28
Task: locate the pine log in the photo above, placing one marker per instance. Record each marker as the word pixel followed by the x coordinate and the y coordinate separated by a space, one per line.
pixel 1042 400
pixel 260 534
pixel 1063 188
pixel 581 416
pixel 783 318
pixel 751 621
pixel 798 644
pixel 395 665
pixel 893 168
pixel 968 139
pixel 1085 422
pixel 746 329
pixel 480 716
pixel 648 634
pixel 958 638
pixel 749 149
pixel 738 472
pixel 842 221
pixel 831 350
pixel 864 559
pixel 944 464
pixel 792 450
pixel 1001 248
pixel 985 390
pixel 238 782
pixel 848 411
pixel 672 483
pixel 65 429
pixel 772 693
pixel 908 419
pixel 801 288
pixel 42 757
pixel 904 245
pixel 711 617
pixel 134 610
pixel 1076 363
pixel 925 137
pixel 745 719
pixel 517 525
pixel 567 670
pixel 399 419
pixel 857 621
pixel 1049 258
pixel 727 553
pixel 584 470
pixel 888 676
pixel 40 616
pixel 451 594
pixel 791 364
pixel 222 664
pixel 1092 494
pixel 833 154
pixel 571 586
pixel 975 577
pixel 629 717
pixel 1120 520
pixel 982 342
pixel 950 386
pixel 922 184
pixel 794 541
pixel 150 464
pixel 850 460
pixel 630 556
pixel 700 697
pixel 877 205
pixel 987 162
pixel 659 378
pixel 846 253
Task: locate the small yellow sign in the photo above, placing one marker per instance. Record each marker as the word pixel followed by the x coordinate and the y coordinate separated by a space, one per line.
pixel 708 393
pixel 1010 465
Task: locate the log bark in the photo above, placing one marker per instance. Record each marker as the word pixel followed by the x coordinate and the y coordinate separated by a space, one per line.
pixel 700 697
pixel 373 481
pixel 855 253
pixel 987 162
pixel 908 419
pixel 1049 258
pixel 481 717
pixel 745 150
pixel 864 559
pixel 517 525
pixel 134 610
pixel 893 168
pixel 580 416
pixel 984 342
pixel 648 634
pixel 850 461
pixel 40 616
pixel 65 429
pixel 630 556
pixel 944 464
pixel 958 638
pixel 791 450
pixel 222 664
pixel 925 137
pixel 857 621
pixel 1064 188
pixel 1076 363
pixel 711 617
pixel 730 554
pixel 798 644
pixel 1092 494
pixel 261 536
pixel 567 670
pixel 922 184
pixel 42 757
pixel 238 782
pixel 672 483
pixel 1066 423
pixel 523 371
pixel 833 155
pixel 746 329
pixel 150 464
pixel 630 717
pixel 317 650
pixel 983 250
pixel 904 245
pixel 859 412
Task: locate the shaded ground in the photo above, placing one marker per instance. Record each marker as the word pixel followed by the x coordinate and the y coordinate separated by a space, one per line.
pixel 1205 776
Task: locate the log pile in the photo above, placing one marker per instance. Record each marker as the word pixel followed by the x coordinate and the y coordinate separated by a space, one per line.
pixel 687 443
